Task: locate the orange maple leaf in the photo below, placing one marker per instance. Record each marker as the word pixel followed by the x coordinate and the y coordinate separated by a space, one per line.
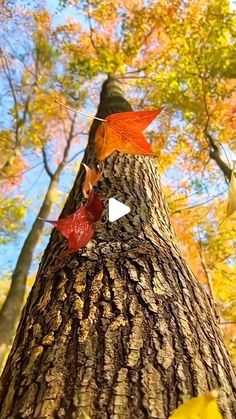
pixel 123 132
pixel 91 178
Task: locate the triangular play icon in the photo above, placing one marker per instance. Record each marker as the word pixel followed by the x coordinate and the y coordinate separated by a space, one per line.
pixel 116 209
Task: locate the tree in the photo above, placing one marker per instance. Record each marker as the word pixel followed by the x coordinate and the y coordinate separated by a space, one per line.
pixel 121 328
pixel 12 306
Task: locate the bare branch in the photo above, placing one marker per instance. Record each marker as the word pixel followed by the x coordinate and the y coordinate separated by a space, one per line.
pixel 75 155
pixel 92 32
pixel 214 147
pixel 69 140
pixel 80 133
pixel 203 263
pixel 198 205
pixel 15 54
pixel 45 162
pixel 7 72
pixel 23 173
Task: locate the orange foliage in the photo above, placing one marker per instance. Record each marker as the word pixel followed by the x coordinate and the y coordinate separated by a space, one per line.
pixel 11 172
pixel 190 249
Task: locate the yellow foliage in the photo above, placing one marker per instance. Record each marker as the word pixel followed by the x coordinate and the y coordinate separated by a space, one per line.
pixel 224 279
pixel 12 212
pixel 43 20
pixel 83 414
pixel 189 247
pixel 202 407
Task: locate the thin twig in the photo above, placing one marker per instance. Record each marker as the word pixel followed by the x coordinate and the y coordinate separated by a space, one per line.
pixel 200 204
pixel 23 173
pixel 69 140
pixel 7 72
pixel 202 257
pixel 75 155
pixel 34 183
pixel 214 148
pixel 92 32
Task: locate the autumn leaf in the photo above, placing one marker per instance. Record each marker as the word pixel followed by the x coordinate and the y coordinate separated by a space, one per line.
pixel 79 227
pixel 91 178
pixel 231 207
pixel 123 132
pixel 94 207
pixel 202 407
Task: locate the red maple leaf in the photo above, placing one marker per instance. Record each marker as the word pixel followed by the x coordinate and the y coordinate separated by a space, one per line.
pixel 79 227
pixel 123 132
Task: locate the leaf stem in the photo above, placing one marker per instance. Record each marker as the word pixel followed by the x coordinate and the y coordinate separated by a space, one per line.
pixel 81 113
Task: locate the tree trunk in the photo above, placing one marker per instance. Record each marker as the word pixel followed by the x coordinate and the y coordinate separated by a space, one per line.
pixel 120 329
pixel 12 306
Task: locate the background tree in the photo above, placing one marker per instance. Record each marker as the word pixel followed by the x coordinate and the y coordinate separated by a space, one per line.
pixel 31 88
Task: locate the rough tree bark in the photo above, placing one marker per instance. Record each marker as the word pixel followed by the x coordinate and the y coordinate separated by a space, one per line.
pixel 120 329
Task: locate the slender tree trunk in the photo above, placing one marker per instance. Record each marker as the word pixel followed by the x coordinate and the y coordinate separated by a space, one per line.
pixel 120 329
pixel 12 306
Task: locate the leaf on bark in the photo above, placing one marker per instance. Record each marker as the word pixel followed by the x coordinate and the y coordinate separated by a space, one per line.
pixel 79 227
pixel 123 132
pixel 91 179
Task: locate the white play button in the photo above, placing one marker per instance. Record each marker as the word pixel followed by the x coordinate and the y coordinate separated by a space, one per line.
pixel 116 209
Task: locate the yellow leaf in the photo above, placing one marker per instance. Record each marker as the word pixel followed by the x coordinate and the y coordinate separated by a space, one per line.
pixel 83 414
pixel 232 193
pixel 202 407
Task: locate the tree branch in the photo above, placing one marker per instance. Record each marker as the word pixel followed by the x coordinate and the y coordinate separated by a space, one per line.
pixel 7 72
pixel 198 205
pixel 214 147
pixel 45 162
pixel 70 138
pixel 215 155
pixel 92 32
pixel 75 155
pixel 203 263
